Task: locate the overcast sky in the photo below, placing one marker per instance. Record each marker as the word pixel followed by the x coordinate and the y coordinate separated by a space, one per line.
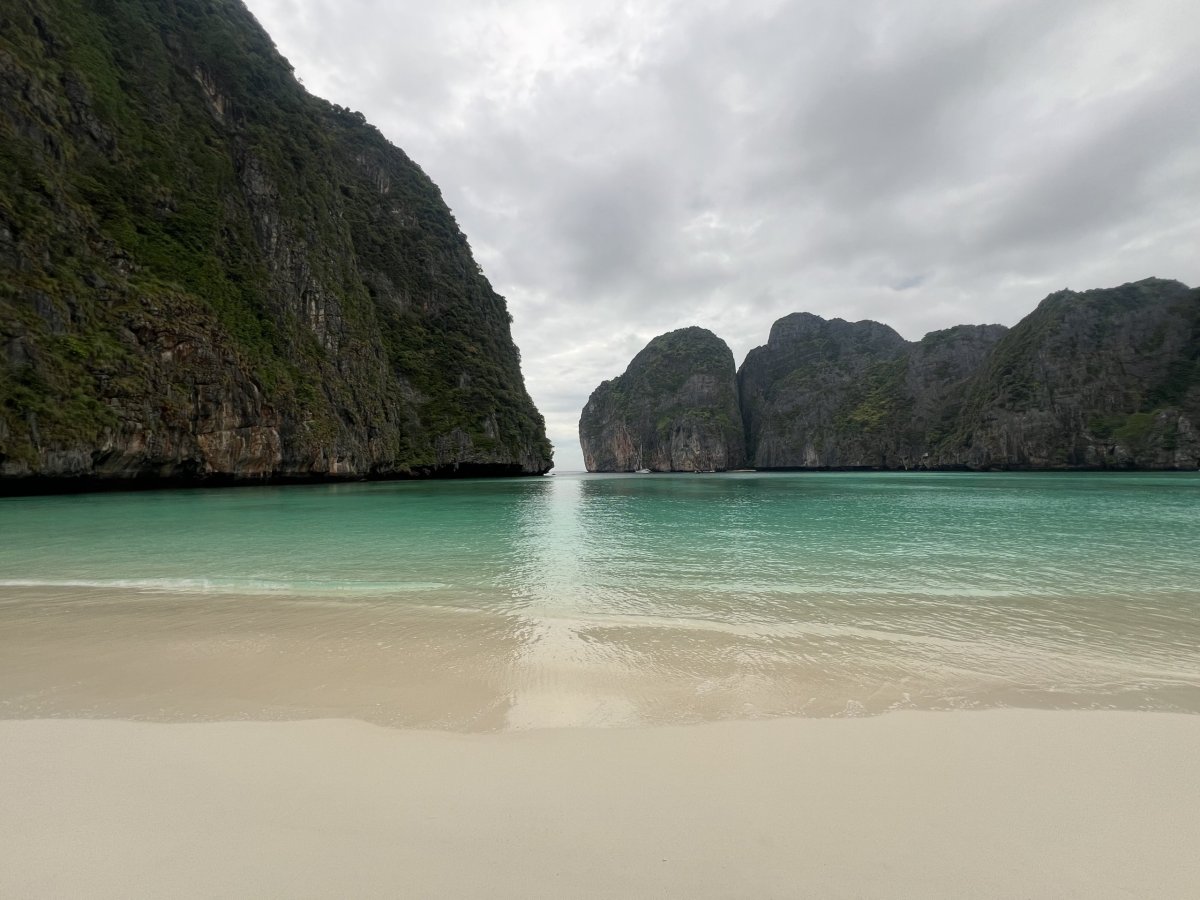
pixel 624 168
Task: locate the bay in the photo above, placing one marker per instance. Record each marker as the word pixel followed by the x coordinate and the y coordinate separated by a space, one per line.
pixel 605 599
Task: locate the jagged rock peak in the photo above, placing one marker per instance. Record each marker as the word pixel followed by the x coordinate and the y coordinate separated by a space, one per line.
pixel 806 326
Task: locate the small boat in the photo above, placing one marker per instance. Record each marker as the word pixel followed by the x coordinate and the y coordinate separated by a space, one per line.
pixel 638 467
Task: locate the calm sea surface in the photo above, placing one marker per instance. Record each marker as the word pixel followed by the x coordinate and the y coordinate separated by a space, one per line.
pixel 592 599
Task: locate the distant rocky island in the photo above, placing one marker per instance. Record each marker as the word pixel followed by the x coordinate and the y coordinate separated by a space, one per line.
pixel 1103 379
pixel 210 275
pixel 674 409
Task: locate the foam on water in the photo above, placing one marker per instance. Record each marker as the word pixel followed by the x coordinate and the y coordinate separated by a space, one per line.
pixel 234 586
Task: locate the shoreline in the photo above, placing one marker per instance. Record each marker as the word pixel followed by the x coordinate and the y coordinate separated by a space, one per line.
pixel 996 803
pixel 426 661
pixel 21 486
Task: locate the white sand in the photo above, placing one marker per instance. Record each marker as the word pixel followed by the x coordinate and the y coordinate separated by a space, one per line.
pixel 994 804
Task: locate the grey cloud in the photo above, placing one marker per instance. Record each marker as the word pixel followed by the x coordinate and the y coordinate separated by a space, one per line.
pixel 1108 173
pixel 612 221
pixel 909 282
pixel 887 120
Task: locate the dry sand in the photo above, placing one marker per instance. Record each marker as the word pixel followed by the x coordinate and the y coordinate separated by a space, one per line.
pixel 985 804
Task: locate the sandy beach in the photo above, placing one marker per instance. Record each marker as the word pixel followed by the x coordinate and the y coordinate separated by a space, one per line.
pixel 578 691
pixel 968 804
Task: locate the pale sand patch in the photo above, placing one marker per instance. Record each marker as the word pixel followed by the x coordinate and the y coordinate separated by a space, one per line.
pixel 990 804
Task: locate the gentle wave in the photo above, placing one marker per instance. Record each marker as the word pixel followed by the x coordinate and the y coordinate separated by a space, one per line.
pixel 226 585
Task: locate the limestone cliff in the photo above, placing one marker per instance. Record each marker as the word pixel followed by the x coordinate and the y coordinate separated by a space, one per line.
pixel 210 275
pixel 1093 380
pixel 675 409
pixel 805 394
pixel 1099 379
pixel 855 395
pixel 1102 379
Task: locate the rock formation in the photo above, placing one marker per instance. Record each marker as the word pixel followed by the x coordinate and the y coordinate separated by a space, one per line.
pixel 675 409
pixel 211 275
pixel 1101 379
pixel 809 395
pixel 854 395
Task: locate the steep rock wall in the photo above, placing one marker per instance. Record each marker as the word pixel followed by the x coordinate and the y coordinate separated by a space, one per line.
pixel 674 409
pixel 211 275
pixel 1094 380
pixel 805 394
pixel 1100 379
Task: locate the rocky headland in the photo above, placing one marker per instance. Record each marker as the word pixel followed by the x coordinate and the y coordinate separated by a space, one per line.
pixel 210 275
pixel 675 409
pixel 1092 380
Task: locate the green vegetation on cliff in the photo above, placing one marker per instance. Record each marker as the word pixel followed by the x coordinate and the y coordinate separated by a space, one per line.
pixel 209 272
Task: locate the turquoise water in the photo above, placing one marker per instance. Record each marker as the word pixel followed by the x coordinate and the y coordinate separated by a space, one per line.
pixel 693 595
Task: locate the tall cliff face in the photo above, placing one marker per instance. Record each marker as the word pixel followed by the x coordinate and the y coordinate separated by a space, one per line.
pixel 1101 379
pixel 937 371
pixel 815 394
pixel 1104 378
pixel 675 409
pixel 209 273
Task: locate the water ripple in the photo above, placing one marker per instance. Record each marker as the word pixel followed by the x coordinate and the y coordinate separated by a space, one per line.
pixel 606 600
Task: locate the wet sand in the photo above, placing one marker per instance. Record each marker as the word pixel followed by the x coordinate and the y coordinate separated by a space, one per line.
pixel 1030 803
pixel 324 748
pixel 192 657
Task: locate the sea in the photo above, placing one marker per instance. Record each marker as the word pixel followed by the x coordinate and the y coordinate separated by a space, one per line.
pixel 605 600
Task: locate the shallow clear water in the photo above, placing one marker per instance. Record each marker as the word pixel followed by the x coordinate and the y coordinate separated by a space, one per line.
pixel 610 599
